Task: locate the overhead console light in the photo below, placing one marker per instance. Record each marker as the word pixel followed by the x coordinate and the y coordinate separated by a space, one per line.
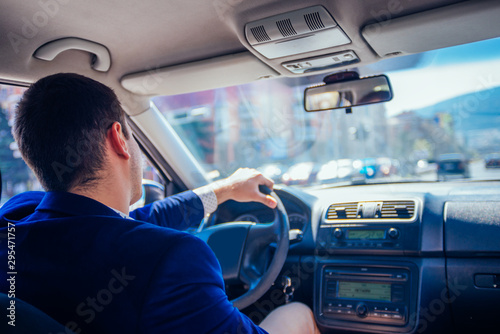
pixel 295 32
pixel 320 63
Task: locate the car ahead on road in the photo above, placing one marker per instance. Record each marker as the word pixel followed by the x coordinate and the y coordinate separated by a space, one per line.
pixel 387 167
pixel 425 166
pixel 367 167
pixel 328 172
pixel 452 165
pixel 492 160
pixel 211 86
pixel 301 173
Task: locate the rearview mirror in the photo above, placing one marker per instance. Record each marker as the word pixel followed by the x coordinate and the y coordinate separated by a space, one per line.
pixel 346 93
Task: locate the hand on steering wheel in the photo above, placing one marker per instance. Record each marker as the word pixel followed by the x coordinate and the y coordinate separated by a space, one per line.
pixel 239 247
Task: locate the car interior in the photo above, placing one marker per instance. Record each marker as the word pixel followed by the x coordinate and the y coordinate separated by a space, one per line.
pixel 375 251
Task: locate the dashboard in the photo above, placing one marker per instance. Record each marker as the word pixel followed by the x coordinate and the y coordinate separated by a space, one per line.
pixel 392 258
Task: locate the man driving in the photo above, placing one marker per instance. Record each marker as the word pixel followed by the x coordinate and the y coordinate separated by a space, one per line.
pixel 88 262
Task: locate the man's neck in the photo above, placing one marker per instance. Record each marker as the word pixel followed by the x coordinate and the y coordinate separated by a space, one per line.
pixel 113 184
pixel 107 195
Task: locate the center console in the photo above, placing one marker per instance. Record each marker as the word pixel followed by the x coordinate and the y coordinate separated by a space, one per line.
pixel 361 281
pixel 366 295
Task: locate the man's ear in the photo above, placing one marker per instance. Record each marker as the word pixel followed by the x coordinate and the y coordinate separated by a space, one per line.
pixel 118 141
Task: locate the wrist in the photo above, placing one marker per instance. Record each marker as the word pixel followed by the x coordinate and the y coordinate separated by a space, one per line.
pixel 222 190
pixel 208 198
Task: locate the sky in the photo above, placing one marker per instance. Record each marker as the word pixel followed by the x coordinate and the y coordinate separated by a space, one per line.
pixel 444 74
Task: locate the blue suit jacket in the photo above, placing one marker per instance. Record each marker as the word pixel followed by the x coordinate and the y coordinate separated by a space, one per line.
pixel 96 272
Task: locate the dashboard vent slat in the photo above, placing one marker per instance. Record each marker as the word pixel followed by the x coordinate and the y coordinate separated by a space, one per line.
pixel 343 211
pixel 397 209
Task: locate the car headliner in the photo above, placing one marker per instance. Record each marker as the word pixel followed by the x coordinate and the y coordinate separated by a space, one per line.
pixel 143 36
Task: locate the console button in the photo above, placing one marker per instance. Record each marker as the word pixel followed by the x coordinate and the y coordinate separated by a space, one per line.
pixel 337 233
pixel 385 315
pixel 362 310
pixel 397 298
pixel 397 293
pixel 333 309
pixel 397 316
pixel 331 289
pixel 393 233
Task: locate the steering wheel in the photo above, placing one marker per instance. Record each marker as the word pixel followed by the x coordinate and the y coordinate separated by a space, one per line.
pixel 241 248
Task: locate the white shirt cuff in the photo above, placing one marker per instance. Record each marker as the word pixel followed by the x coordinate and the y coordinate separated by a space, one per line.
pixel 208 198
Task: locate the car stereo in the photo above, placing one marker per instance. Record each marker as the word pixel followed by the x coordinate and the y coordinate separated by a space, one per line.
pixel 366 237
pixel 376 295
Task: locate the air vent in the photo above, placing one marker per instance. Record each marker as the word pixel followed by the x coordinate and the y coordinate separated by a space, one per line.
pixel 343 211
pixel 260 34
pixel 295 32
pixel 313 21
pixel 397 210
pixel 372 211
pixel 285 27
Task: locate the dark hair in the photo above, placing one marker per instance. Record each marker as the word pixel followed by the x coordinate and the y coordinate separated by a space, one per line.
pixel 61 126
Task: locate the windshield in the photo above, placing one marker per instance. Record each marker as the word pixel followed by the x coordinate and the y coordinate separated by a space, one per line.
pixel 443 123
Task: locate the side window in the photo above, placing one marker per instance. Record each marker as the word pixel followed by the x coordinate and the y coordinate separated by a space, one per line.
pixel 153 185
pixel 149 171
pixel 16 175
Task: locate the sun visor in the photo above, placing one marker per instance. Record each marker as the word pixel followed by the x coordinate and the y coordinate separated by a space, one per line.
pixel 456 24
pixel 202 75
